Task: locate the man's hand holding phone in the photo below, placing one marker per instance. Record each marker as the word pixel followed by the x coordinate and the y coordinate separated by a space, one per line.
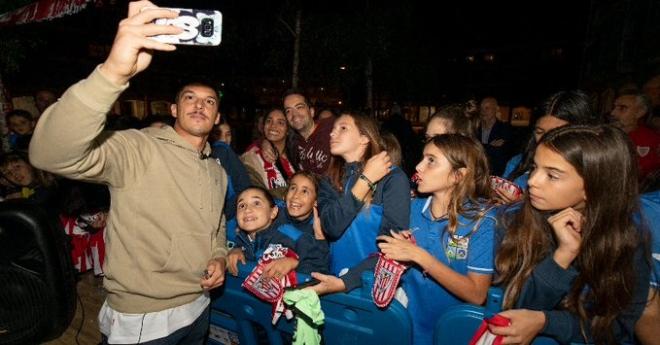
pixel 132 49
pixel 199 27
pixel 214 275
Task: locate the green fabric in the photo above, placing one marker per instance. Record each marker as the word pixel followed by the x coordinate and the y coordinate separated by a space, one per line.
pixel 309 316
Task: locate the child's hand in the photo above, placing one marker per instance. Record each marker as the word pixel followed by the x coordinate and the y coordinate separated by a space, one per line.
pixel 280 267
pixel 398 247
pixel 525 325
pixel 503 196
pixel 318 229
pixel 328 284
pixel 567 226
pixel 377 167
pixel 234 256
pixel 497 143
pixel 401 235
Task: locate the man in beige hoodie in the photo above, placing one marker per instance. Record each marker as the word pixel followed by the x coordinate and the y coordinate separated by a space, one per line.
pixel 165 237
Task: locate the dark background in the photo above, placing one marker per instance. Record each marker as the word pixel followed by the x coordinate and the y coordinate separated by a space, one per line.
pixel 422 52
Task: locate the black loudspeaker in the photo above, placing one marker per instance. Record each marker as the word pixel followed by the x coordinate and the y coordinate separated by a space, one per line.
pixel 37 278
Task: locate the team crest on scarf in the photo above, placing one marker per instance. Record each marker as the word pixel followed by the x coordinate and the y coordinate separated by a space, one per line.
pixel 387 275
pixel 271 289
pixel 642 151
pixel 266 289
pixel 386 279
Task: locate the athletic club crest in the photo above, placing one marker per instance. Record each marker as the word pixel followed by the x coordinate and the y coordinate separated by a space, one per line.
pixel 387 274
pixel 271 289
pixel 642 151
pixel 266 289
pixel 386 279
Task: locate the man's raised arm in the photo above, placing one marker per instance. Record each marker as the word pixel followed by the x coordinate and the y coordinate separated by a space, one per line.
pixel 64 139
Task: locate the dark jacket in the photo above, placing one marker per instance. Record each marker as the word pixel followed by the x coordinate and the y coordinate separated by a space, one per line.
pixel 316 252
pixel 498 156
pixel 550 283
pixel 351 226
pixel 310 258
pixel 337 210
pixel 313 153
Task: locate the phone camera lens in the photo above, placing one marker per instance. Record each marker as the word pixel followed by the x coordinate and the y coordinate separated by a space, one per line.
pixel 207 27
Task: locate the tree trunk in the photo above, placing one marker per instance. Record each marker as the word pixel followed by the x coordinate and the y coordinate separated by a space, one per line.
pixel 296 50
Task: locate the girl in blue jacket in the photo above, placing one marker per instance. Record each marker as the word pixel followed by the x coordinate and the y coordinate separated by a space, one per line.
pixel 260 229
pixel 573 262
pixel 365 196
pixel 452 259
pixel 301 215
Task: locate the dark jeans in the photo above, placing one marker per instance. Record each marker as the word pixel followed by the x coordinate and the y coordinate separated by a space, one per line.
pixel 194 334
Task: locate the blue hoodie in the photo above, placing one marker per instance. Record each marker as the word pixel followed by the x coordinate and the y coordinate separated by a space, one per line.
pixel 650 204
pixel 311 256
pixel 473 251
pixel 352 226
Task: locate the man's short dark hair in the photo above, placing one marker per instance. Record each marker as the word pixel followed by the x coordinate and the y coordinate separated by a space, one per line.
pixel 295 91
pixel 194 83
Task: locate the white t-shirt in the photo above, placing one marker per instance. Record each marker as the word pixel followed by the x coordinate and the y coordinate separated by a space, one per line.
pixel 122 328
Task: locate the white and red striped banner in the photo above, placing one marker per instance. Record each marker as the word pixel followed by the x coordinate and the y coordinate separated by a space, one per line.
pixel 386 279
pixel 265 288
pixel 42 10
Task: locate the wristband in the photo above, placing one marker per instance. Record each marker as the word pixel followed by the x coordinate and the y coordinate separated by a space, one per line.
pixel 371 185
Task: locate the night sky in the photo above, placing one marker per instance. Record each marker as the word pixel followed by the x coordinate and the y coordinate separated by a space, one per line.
pixel 426 52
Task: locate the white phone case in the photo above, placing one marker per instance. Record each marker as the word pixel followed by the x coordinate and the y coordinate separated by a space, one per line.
pixel 201 27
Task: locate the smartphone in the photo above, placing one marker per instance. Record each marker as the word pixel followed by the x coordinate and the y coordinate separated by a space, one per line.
pixel 200 27
pixel 308 283
pixel 512 189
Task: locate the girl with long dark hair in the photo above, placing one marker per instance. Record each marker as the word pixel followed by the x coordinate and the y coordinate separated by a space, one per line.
pixel 572 259
pixel 560 109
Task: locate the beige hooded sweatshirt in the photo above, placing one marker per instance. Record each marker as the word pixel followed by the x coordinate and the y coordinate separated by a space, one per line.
pixel 165 219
